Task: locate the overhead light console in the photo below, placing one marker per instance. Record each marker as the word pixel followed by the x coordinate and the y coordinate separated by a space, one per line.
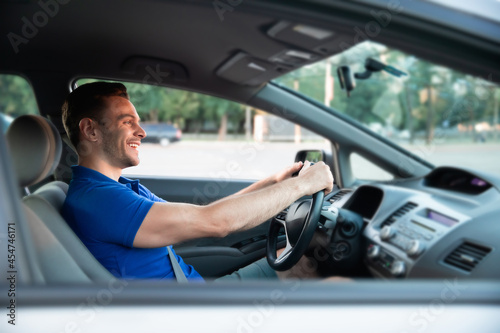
pixel 247 70
pixel 307 37
pixel 302 44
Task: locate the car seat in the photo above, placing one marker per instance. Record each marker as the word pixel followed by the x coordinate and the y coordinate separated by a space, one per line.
pixel 35 147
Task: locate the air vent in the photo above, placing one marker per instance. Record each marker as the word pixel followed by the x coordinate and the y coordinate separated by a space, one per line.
pixel 467 256
pixel 339 195
pixel 397 214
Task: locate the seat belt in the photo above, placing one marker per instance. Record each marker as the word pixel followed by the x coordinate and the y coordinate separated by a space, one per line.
pixel 179 274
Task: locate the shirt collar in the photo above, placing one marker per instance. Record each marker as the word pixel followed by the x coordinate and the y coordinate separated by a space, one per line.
pixel 81 172
pixel 130 183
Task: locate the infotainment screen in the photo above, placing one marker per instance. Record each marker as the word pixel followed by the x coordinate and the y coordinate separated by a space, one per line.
pixel 440 218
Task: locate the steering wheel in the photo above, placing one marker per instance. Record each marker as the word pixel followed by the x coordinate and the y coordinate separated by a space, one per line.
pixel 300 223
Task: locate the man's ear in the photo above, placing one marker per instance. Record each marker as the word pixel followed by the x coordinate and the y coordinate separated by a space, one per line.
pixel 88 129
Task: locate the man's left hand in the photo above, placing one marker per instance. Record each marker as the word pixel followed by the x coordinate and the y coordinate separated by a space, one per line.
pixel 288 172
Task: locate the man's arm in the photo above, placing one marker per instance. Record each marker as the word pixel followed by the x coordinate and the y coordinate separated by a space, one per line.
pixel 170 223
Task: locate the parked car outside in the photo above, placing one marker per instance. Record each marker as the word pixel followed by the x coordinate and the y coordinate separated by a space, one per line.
pixel 161 133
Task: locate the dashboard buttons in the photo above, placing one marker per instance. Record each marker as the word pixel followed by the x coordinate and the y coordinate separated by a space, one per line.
pixel 402 242
pixel 373 252
pixel 385 262
pixel 398 268
pixel 415 248
pixel 387 233
pixel 340 251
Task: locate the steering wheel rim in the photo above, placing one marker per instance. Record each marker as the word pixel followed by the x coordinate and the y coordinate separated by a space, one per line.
pixel 298 233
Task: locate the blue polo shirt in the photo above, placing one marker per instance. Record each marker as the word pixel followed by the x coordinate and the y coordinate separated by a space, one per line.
pixel 106 215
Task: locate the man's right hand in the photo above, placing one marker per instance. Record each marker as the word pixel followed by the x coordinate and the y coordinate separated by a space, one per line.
pixel 315 178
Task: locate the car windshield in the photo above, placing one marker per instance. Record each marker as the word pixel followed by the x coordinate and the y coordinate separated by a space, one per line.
pixel 484 8
pixel 441 115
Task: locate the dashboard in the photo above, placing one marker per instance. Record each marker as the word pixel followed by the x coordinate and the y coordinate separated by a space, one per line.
pixel 445 224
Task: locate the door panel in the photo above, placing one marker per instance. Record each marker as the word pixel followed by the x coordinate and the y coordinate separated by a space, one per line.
pixel 199 191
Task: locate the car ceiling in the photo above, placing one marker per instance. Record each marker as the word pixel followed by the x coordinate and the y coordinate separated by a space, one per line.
pixel 95 39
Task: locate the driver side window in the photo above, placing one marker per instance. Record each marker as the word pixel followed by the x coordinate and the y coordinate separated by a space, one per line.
pixel 195 135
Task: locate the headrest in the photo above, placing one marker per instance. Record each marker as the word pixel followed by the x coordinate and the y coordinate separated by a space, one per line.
pixel 35 147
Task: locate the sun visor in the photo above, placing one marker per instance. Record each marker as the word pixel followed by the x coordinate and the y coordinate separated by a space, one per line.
pixel 247 70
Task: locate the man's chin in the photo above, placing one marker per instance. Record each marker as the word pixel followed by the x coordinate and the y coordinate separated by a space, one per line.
pixel 131 163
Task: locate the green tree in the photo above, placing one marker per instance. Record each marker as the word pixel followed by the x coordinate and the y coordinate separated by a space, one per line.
pixel 222 112
pixel 17 97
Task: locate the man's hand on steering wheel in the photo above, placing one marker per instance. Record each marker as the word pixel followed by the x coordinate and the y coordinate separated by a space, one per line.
pixel 318 176
pixel 288 172
pixel 301 220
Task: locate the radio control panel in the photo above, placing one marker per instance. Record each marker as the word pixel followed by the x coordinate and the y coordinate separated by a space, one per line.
pixel 405 240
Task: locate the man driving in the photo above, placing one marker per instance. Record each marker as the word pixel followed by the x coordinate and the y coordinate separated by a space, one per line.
pixel 129 229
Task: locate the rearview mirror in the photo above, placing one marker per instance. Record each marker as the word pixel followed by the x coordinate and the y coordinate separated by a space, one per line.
pixel 346 79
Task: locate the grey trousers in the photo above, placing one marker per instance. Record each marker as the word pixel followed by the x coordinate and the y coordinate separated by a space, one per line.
pixel 257 270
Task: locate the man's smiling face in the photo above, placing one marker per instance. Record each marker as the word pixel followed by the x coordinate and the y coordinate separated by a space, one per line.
pixel 121 133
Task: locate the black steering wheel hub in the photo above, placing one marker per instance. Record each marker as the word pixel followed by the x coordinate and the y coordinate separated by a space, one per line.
pixel 297 214
pixel 299 224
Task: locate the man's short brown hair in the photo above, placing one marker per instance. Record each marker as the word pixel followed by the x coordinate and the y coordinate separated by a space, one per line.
pixel 87 101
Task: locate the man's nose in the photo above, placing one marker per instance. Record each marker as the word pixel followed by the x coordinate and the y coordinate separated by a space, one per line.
pixel 141 132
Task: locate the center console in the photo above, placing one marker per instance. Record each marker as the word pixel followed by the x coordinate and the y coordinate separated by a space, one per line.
pixel 403 237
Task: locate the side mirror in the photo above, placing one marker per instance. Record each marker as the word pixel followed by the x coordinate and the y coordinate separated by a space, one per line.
pixel 310 155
